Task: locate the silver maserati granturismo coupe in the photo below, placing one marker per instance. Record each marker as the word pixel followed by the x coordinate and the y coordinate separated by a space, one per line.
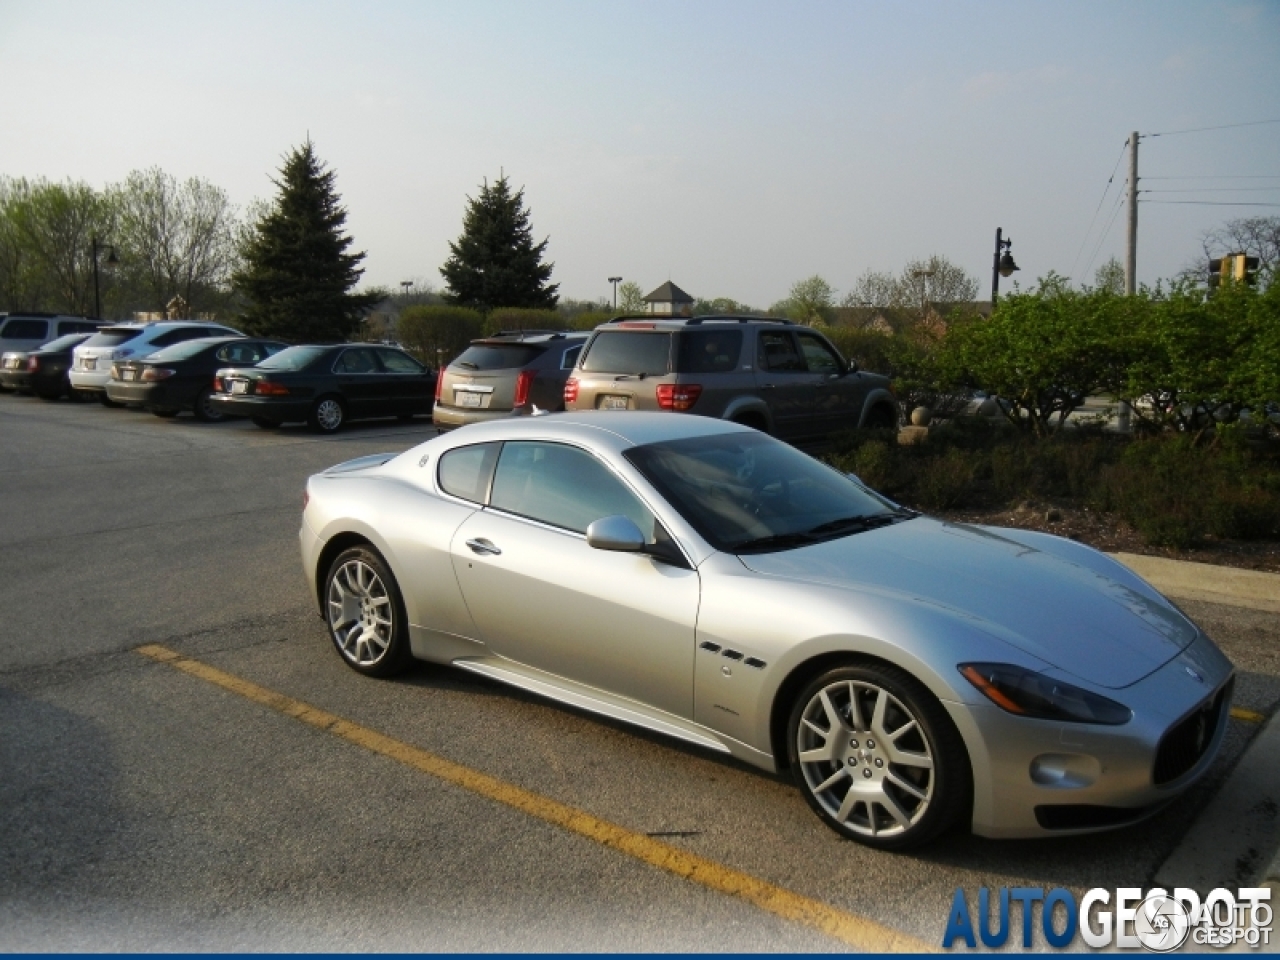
pixel 701 579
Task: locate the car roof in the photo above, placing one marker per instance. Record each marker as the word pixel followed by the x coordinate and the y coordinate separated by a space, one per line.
pixel 649 321
pixel 630 428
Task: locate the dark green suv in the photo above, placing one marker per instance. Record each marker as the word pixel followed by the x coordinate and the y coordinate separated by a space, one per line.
pixel 774 375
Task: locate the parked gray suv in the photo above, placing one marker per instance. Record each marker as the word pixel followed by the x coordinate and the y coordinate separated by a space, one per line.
pixel 776 376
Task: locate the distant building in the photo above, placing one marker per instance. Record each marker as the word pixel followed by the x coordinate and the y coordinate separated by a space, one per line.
pixel 670 301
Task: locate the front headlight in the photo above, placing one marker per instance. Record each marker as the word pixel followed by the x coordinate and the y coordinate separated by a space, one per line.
pixel 1029 694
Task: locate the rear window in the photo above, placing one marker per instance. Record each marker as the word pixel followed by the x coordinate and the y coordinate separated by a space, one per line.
pixel 617 351
pixel 113 336
pixel 77 326
pixel 465 471
pixel 25 330
pixel 65 343
pixel 293 358
pixel 709 351
pixel 496 356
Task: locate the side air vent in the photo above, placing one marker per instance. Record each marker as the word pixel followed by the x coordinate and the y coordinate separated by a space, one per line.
pixel 709 646
pixel 732 654
pixel 754 662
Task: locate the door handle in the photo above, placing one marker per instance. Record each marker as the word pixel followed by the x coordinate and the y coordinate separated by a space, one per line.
pixel 483 547
pixel 766 386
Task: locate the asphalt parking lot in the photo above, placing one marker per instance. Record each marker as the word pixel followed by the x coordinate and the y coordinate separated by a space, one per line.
pixel 144 808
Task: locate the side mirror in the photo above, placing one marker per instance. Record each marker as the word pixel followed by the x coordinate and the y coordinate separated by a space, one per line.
pixel 618 533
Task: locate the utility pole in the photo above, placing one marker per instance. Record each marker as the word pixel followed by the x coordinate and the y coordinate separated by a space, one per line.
pixel 1131 250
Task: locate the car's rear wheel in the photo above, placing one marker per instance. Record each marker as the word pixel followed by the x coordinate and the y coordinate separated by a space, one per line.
pixel 107 401
pixel 327 415
pixel 881 418
pixel 206 409
pixel 876 756
pixel 365 613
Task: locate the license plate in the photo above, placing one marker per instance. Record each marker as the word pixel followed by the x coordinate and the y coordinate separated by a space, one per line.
pixel 239 386
pixel 127 375
pixel 91 363
pixel 613 403
pixel 467 398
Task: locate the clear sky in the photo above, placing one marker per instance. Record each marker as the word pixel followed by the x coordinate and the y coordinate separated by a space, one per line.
pixel 732 147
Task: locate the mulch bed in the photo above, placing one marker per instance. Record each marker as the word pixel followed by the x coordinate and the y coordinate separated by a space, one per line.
pixel 1106 532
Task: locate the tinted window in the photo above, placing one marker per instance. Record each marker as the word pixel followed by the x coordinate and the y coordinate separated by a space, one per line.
pixel 465 471
pixel 396 362
pixel 181 351
pixel 709 351
pixel 360 360
pixel 778 352
pixel 76 326
pixel 170 337
pixel 293 358
pixel 618 351
pixel 247 353
pixel 561 486
pixel 818 356
pixel 66 343
pixel 570 357
pixel 738 487
pixel 112 336
pixel 25 330
pixel 496 356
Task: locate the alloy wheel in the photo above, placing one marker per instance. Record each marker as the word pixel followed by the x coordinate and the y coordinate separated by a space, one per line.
pixel 328 414
pixel 361 613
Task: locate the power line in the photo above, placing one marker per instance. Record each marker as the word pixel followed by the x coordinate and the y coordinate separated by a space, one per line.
pixel 1106 233
pixel 1246 176
pixel 1101 200
pixel 1210 189
pixel 1214 203
pixel 1225 126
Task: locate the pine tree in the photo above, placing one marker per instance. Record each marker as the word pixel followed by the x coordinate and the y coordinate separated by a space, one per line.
pixel 297 273
pixel 495 262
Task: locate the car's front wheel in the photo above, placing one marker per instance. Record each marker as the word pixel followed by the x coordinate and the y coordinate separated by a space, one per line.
pixel 877 757
pixel 206 408
pixel 365 613
pixel 328 415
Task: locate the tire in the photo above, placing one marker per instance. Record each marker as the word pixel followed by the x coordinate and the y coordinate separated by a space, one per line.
pixel 205 409
pixel 365 613
pixel 881 418
pixel 50 397
pixel 166 412
pixel 328 415
pixel 107 401
pixel 264 423
pixel 872 775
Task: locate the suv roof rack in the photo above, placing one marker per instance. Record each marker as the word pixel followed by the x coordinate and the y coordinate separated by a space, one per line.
pixel 552 334
pixel 698 321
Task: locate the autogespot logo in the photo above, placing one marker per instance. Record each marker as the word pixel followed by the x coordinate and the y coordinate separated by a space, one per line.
pixel 1126 918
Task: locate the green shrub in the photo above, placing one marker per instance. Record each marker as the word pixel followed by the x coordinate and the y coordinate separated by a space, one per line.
pixel 438 334
pixel 518 318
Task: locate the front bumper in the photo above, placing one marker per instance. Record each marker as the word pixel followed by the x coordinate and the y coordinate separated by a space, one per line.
pixel 1044 778
pixel 275 409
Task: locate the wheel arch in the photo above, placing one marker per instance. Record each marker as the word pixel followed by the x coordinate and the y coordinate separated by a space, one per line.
pixel 331 549
pixel 750 412
pixel 879 398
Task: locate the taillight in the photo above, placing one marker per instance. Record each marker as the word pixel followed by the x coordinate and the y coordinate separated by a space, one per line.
pixel 217 385
pixel 678 396
pixel 571 390
pixel 152 374
pixel 523 382
pixel 115 372
pixel 33 364
pixel 265 388
pixel 439 384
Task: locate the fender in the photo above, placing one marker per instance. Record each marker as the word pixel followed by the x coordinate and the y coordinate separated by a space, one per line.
pixel 749 404
pixel 879 396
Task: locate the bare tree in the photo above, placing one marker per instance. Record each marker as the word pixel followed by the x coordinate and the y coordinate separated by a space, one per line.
pixel 178 239
pixel 1257 236
pixel 875 288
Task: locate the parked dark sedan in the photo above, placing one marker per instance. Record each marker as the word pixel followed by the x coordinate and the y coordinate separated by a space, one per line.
pixel 43 370
pixel 327 385
pixel 180 377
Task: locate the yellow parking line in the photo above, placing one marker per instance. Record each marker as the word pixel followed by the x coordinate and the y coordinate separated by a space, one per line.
pixel 858 932
pixel 1248 716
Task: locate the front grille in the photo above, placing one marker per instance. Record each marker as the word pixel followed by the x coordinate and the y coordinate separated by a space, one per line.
pixel 1186 741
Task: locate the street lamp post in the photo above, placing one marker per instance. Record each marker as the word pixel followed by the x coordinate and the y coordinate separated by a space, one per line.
pixel 1002 264
pixel 112 260
pixel 615 281
pixel 405 285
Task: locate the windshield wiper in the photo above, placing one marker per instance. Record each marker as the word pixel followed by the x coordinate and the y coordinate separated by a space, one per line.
pixel 778 541
pixel 466 363
pixel 856 524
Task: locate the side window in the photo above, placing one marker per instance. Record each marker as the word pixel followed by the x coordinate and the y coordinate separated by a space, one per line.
pixel 570 357
pixel 465 471
pixel 709 351
pixel 25 330
pixel 562 486
pixel 396 362
pixel 170 337
pixel 360 360
pixel 242 353
pixel 818 355
pixel 778 352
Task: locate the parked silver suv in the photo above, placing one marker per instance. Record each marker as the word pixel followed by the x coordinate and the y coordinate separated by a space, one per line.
pixel 776 376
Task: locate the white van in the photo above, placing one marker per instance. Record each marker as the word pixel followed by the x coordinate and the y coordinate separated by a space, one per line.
pixel 31 331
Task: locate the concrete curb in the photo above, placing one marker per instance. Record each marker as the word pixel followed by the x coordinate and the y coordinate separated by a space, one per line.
pixel 1182 579
pixel 1235 839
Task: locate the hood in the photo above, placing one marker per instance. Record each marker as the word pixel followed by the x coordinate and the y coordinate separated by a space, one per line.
pixel 1093 620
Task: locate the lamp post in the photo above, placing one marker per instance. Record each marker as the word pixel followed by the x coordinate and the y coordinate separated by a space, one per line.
pixel 1002 264
pixel 615 281
pixel 405 285
pixel 112 260
pixel 924 290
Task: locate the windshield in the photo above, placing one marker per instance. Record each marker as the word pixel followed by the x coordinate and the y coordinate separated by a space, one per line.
pixel 112 336
pixel 293 358
pixel 747 492
pixel 182 351
pixel 65 343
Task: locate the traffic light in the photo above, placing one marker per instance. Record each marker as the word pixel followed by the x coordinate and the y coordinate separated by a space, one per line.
pixel 1236 267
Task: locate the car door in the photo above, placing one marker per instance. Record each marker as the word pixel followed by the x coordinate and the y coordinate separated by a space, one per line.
pixel 362 383
pixel 786 384
pixel 409 385
pixel 619 622
pixel 838 394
